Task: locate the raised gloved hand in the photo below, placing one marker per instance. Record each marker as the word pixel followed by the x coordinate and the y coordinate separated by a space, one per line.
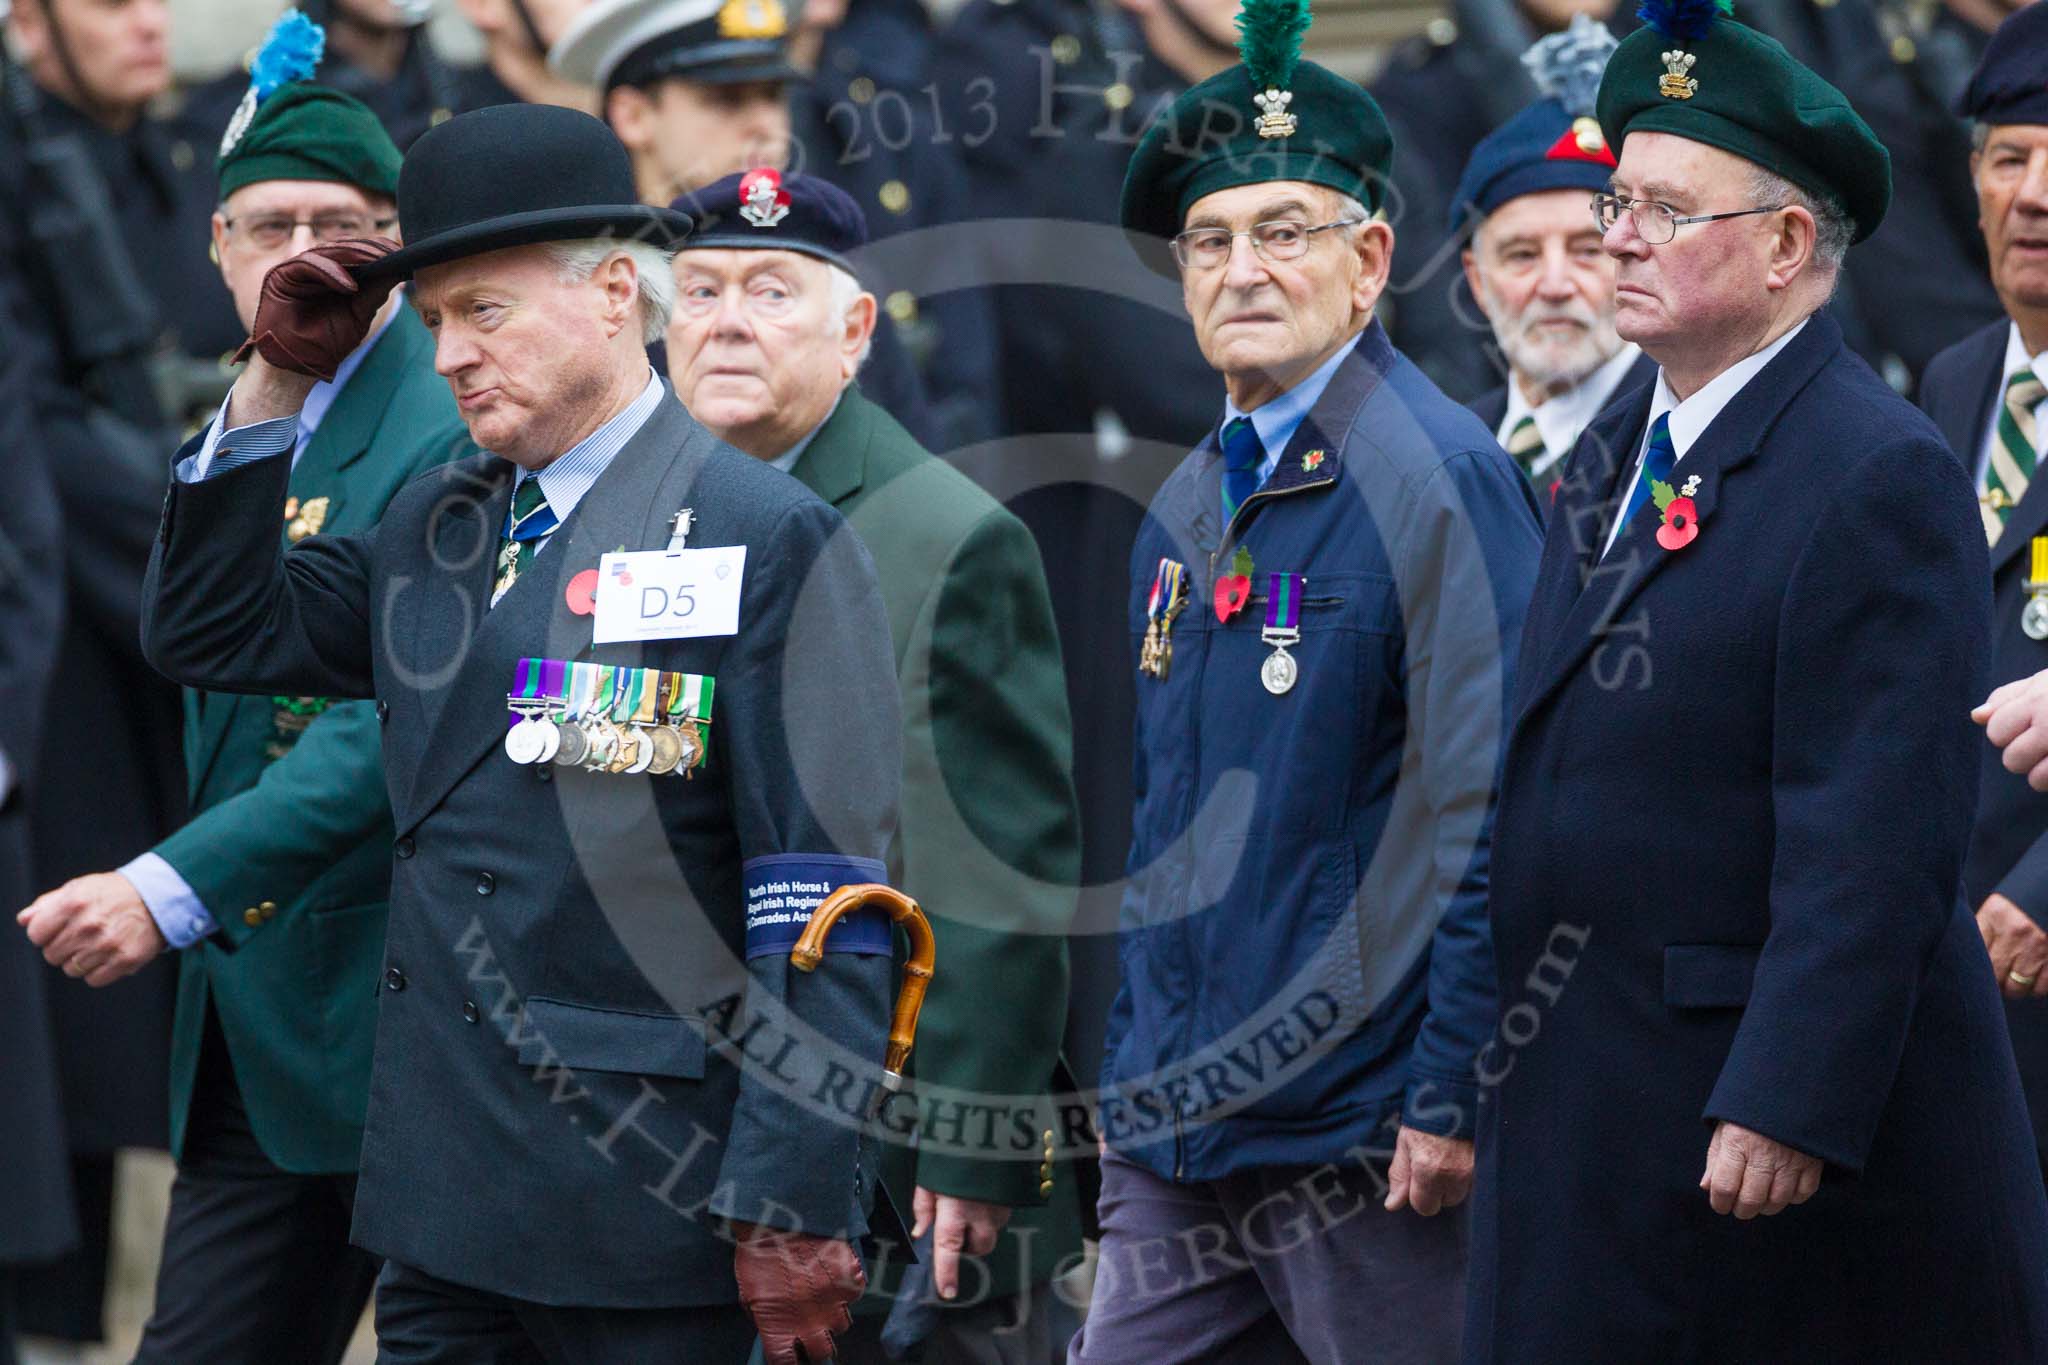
pixel 799 1289
pixel 312 312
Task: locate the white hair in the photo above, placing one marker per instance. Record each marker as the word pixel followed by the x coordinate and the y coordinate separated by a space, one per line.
pixel 578 261
pixel 1832 225
pixel 846 292
pixel 1350 209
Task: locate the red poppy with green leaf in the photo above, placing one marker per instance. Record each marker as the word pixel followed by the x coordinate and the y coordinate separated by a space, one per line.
pixel 1681 517
pixel 1234 589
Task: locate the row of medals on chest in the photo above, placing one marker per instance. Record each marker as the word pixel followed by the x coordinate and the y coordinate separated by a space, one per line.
pixel 1169 597
pixel 603 743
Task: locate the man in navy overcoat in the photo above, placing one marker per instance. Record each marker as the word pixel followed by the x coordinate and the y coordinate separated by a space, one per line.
pixel 1751 1098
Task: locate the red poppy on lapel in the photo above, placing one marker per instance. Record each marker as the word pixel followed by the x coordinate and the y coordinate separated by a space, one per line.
pixel 1681 524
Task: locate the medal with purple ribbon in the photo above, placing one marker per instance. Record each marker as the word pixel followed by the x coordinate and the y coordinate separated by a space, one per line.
pixel 1283 628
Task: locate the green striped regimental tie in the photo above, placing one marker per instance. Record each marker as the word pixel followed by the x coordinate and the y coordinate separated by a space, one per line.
pixel 1525 443
pixel 2013 452
pixel 530 523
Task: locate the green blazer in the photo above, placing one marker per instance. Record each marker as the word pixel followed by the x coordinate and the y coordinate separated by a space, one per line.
pixel 292 854
pixel 988 839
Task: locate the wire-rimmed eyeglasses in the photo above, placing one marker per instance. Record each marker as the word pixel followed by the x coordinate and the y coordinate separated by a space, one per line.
pixel 1283 239
pixel 1657 222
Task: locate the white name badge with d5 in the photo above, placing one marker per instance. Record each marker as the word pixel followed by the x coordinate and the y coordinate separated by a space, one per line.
pixel 668 594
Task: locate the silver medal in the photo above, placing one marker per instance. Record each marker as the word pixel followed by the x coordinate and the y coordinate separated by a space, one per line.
pixel 2034 617
pixel 523 742
pixel 1278 673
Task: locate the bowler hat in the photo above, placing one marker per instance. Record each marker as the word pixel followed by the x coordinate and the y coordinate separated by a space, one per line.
pixel 512 175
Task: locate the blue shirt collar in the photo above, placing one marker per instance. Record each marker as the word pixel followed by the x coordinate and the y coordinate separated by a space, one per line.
pixel 1277 419
pixel 566 478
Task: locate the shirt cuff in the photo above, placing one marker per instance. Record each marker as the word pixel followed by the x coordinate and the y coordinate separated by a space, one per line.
pixel 256 441
pixel 175 907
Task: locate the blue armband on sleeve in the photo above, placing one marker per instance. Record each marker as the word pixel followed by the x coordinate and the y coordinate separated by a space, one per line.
pixel 784 888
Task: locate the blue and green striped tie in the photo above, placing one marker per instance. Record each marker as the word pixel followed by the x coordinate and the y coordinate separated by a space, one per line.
pixel 1243 456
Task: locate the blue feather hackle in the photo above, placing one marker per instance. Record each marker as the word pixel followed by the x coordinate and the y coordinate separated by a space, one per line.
pixel 290 53
pixel 1567 66
pixel 1683 19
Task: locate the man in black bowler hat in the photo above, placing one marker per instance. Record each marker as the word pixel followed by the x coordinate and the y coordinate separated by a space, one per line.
pixel 605 1113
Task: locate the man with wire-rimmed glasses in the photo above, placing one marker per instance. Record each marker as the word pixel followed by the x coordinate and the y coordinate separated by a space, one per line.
pixel 1323 606
pixel 1760 1044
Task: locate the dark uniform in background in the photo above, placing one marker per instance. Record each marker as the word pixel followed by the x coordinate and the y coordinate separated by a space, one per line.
pixel 1984 393
pixel 647 43
pixel 998 66
pixel 1444 91
pixel 35 1171
pixel 1918 284
pixel 87 211
pixel 423 91
pixel 870 120
pixel 1103 391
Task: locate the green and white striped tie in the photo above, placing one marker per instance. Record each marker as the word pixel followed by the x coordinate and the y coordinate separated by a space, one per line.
pixel 2013 452
pixel 1525 443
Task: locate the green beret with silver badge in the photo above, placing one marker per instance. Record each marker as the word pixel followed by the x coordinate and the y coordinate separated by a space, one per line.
pixel 1693 72
pixel 1271 117
pixel 287 128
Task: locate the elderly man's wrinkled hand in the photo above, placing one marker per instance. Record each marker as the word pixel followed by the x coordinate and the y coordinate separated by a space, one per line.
pixel 96 928
pixel 1429 1173
pixel 2018 947
pixel 312 311
pixel 2015 718
pixel 959 1227
pixel 1749 1174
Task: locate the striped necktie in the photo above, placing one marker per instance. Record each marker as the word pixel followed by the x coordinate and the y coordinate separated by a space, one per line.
pixel 2013 452
pixel 531 522
pixel 1243 455
pixel 1658 458
pixel 1525 443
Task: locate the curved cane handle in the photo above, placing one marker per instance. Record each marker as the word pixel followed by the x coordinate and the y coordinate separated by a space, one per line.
pixel 917 972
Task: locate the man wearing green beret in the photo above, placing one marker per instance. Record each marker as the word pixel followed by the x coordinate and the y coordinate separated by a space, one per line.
pixel 1752 1096
pixel 275 893
pixel 1323 605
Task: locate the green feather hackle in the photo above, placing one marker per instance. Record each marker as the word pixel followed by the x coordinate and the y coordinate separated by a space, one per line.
pixel 1269 34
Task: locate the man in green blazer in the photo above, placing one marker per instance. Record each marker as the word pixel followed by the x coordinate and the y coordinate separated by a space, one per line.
pixel 276 890
pixel 769 327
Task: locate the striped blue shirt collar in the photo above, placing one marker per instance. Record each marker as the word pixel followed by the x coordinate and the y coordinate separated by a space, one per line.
pixel 566 478
pixel 1277 419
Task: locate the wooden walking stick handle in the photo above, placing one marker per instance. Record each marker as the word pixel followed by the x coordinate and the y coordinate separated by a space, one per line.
pixel 917 972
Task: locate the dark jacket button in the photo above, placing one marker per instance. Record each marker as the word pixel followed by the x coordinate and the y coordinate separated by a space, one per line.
pixel 394 980
pixel 470 1013
pixel 404 847
pixel 383 712
pixel 545 772
pixel 485 883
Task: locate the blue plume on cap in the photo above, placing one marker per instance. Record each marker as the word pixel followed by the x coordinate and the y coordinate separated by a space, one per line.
pixel 1567 66
pixel 290 53
pixel 1684 18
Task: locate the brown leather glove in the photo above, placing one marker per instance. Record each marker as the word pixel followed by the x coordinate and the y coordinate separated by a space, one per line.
pixel 799 1288
pixel 312 313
